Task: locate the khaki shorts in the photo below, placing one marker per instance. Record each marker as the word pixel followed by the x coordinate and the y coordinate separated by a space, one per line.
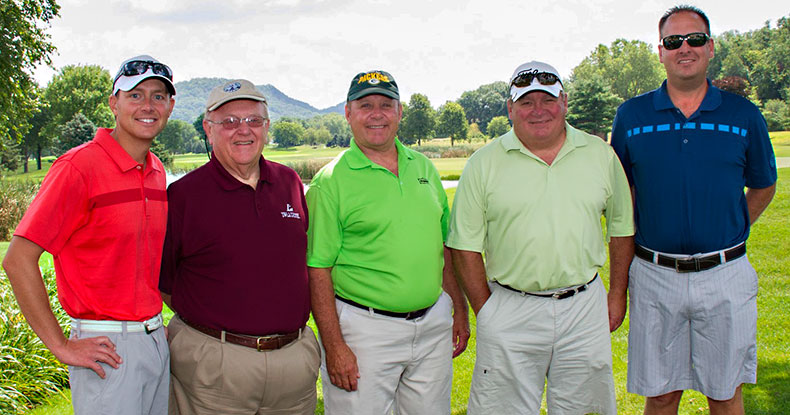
pixel 524 342
pixel 693 330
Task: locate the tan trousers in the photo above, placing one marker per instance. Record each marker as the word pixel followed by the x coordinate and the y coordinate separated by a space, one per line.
pixel 211 378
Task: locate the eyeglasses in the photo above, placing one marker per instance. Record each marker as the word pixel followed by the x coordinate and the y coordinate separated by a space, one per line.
pixel 140 67
pixel 232 123
pixel 525 78
pixel 694 40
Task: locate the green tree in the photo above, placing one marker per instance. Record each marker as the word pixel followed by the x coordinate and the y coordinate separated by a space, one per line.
pixel 499 125
pixel 287 133
pixel 34 142
pixel 76 89
pixel 419 120
pixel 485 103
pixel 317 135
pixel 75 132
pixel 628 67
pixel 592 105
pixel 337 126
pixel 162 153
pixel 452 122
pixel 24 45
pixel 777 115
pixel 178 136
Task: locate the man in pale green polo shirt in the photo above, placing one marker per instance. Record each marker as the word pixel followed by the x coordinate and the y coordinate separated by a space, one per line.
pixel 532 200
pixel 377 266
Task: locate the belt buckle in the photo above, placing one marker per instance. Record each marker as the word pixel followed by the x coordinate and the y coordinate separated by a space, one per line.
pixel 684 271
pixel 258 341
pixel 559 295
pixel 154 322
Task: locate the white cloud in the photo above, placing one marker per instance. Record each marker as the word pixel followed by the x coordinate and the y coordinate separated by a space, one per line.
pixel 310 49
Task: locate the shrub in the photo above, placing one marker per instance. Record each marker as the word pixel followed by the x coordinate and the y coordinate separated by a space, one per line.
pixel 308 168
pixel 15 197
pixel 29 373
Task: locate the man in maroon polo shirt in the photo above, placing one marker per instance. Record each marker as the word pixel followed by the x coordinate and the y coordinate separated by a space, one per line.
pixel 234 271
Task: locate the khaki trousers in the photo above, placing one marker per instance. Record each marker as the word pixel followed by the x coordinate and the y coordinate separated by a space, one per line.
pixel 210 377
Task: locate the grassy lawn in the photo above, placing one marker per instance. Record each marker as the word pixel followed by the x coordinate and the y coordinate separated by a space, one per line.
pixel 781 142
pixel 769 245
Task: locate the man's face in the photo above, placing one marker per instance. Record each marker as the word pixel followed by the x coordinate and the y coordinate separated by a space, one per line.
pixel 538 116
pixel 374 121
pixel 686 62
pixel 241 147
pixel 142 112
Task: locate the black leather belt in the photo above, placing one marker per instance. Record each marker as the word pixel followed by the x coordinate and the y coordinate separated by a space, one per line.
pixel 690 264
pixel 557 295
pixel 411 315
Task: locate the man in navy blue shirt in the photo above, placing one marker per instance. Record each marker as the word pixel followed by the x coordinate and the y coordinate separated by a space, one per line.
pixel 689 149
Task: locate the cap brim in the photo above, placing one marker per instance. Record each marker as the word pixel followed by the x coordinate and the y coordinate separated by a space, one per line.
pixel 554 90
pixel 371 91
pixel 127 83
pixel 234 98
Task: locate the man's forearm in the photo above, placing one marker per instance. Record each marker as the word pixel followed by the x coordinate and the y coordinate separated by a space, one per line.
pixel 450 284
pixel 757 200
pixel 322 298
pixel 621 252
pixel 470 272
pixel 21 266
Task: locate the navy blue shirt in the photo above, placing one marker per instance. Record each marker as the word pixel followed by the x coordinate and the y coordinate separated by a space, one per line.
pixel 689 173
pixel 234 257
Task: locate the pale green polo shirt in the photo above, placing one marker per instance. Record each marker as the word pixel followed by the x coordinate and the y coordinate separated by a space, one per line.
pixel 383 235
pixel 540 225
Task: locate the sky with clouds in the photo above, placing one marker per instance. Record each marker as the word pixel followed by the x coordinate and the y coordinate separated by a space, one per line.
pixel 310 49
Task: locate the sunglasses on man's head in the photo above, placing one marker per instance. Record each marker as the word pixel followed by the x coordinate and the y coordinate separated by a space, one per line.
pixel 525 78
pixel 695 40
pixel 140 67
pixel 232 123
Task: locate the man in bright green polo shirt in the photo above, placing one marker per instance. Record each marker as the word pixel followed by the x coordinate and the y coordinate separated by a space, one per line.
pixel 532 200
pixel 377 266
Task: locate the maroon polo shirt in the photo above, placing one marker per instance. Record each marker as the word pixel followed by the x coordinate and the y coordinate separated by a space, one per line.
pixel 234 257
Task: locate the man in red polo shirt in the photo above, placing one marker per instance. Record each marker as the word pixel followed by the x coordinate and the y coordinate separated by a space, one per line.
pixel 101 212
pixel 234 271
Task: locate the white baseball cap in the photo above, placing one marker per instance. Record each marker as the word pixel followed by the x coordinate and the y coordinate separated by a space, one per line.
pixel 533 70
pixel 138 69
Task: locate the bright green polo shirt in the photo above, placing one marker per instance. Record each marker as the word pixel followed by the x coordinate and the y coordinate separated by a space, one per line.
pixel 381 234
pixel 540 225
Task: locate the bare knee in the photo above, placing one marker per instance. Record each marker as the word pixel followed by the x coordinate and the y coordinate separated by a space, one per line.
pixel 663 404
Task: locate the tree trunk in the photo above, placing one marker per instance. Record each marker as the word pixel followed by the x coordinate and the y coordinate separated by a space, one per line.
pixel 38 156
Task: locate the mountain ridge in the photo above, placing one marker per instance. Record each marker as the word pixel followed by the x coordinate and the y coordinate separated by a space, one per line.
pixel 191 98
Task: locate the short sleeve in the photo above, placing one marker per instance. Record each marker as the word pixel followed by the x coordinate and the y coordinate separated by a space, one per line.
pixel 760 159
pixel 468 225
pixel 618 141
pixel 619 211
pixel 58 210
pixel 324 233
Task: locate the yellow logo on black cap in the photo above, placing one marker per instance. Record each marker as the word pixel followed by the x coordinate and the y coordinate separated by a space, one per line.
pixel 373 78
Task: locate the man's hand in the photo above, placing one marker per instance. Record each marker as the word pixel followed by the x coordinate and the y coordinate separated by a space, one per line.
pixel 89 352
pixel 341 364
pixel 460 332
pixel 617 303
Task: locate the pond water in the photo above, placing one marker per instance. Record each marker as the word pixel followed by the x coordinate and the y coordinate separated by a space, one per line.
pixel 171 177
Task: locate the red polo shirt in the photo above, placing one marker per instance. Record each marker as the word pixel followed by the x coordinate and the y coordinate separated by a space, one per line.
pixel 234 257
pixel 102 216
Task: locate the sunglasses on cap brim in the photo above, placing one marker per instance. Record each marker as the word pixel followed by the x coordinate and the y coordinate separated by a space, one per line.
pixel 695 40
pixel 134 68
pixel 525 79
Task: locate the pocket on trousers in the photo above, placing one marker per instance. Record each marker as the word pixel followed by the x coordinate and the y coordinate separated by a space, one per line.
pixel 488 305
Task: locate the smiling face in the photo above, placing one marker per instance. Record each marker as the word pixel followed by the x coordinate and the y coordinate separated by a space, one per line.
pixel 374 121
pixel 686 63
pixel 237 149
pixel 142 112
pixel 538 117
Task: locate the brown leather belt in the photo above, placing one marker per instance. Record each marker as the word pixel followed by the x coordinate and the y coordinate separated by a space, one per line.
pixel 690 264
pixel 259 343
